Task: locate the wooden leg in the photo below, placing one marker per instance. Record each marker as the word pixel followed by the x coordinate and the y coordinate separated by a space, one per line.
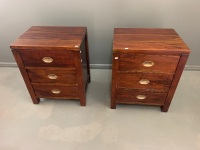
pixel 36 100
pixel 87 58
pixel 177 76
pixel 89 79
pixel 164 108
pixel 80 79
pixel 113 104
pixel 115 66
pixel 83 102
pixel 25 77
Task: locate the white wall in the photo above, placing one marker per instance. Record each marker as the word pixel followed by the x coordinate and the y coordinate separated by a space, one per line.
pixel 100 16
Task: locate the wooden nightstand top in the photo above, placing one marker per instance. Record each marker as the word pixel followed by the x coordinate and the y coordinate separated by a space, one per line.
pixel 51 37
pixel 148 40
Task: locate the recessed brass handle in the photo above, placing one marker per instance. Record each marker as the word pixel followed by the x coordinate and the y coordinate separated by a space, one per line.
pixel 141 97
pixel 47 60
pixel 56 91
pixel 144 81
pixel 52 76
pixel 148 63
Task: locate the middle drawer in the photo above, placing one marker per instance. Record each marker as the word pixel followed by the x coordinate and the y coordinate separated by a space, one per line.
pixel 155 81
pixel 52 75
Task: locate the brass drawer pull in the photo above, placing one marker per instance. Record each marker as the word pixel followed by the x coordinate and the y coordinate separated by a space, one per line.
pixel 144 81
pixel 148 63
pixel 52 76
pixel 56 91
pixel 47 60
pixel 141 97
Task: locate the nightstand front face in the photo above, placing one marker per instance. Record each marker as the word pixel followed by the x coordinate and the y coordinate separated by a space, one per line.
pixel 51 62
pixel 147 65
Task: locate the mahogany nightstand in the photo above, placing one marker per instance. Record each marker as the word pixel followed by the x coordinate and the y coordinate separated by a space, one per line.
pixel 54 62
pixel 147 66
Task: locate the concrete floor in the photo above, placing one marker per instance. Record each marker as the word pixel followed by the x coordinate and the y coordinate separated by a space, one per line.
pixel 64 125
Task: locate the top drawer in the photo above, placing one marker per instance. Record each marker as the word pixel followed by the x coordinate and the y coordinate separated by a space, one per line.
pixel 148 63
pixel 47 58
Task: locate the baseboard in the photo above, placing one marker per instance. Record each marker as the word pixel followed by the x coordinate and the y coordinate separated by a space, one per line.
pixel 101 66
pixel 8 64
pixel 109 66
pixel 92 66
pixel 192 68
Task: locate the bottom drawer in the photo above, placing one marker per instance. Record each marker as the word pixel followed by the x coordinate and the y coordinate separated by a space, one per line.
pixel 132 96
pixel 56 91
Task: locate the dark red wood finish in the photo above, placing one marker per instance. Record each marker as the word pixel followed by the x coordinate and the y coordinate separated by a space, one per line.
pixel 175 81
pixel 61 58
pixel 157 81
pixel 132 47
pixel 25 77
pixel 128 96
pixel 64 71
pixel 63 76
pixel 45 91
pixel 133 62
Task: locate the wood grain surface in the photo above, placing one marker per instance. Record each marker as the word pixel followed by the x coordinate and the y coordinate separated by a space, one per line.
pixel 157 81
pixel 64 76
pixel 45 91
pixel 134 62
pixel 148 40
pixel 50 38
pixel 154 55
pixel 60 58
pixel 54 58
pixel 129 96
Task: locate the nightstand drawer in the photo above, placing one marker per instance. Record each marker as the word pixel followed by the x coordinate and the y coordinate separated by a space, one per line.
pixel 52 75
pixel 148 63
pixel 131 96
pixel 47 58
pixel 55 91
pixel 152 81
